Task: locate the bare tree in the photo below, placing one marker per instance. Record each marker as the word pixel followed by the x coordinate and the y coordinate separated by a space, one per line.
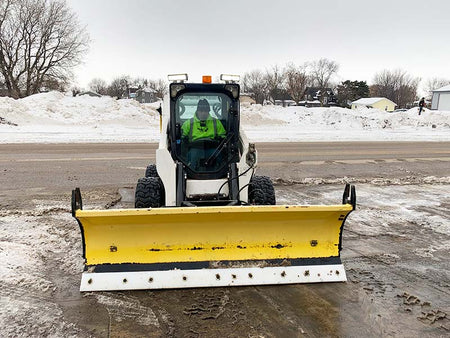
pixel 274 79
pixel 254 83
pixel 397 85
pixel 75 90
pixel 160 87
pixel 40 41
pixel 435 83
pixel 3 90
pixel 296 81
pixel 119 86
pixel 322 71
pixel 139 82
pixel 99 86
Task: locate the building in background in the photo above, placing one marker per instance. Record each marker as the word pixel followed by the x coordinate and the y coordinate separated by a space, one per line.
pixel 246 98
pixel 441 98
pixel 280 97
pixel 145 95
pixel 325 96
pixel 89 93
pixel 380 103
pixel 130 93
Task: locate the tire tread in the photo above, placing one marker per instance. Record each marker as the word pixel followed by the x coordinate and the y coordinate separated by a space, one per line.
pixel 261 191
pixel 149 193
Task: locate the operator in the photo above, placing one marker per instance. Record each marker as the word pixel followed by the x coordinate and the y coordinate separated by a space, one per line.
pixel 203 125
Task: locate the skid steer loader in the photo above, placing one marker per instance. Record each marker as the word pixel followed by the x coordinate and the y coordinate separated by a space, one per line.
pixel 201 217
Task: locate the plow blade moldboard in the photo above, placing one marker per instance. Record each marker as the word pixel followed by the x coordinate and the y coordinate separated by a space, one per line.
pixel 211 246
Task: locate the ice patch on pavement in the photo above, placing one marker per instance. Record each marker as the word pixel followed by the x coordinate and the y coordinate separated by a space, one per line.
pixel 121 307
pixel 406 180
pixel 25 316
pixel 428 251
pixel 379 207
pixel 22 253
pixel 33 245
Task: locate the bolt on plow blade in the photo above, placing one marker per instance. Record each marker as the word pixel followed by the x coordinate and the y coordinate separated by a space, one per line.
pixel 211 246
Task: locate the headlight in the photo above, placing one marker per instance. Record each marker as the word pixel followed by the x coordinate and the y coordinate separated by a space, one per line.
pixel 177 77
pixel 175 88
pixel 229 78
pixel 234 89
pixel 250 158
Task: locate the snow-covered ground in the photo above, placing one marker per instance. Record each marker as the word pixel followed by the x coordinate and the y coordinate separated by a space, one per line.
pixel 55 117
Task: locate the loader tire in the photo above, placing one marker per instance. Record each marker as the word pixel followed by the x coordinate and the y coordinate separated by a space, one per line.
pixel 149 193
pixel 151 171
pixel 261 191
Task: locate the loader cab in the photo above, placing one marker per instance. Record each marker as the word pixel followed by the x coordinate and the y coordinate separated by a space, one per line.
pixel 204 128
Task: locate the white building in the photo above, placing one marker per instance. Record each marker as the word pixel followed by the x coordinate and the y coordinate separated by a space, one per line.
pixel 380 103
pixel 441 98
pixel 244 97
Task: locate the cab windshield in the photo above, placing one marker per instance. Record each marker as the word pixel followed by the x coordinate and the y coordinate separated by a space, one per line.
pixel 204 119
pixel 186 106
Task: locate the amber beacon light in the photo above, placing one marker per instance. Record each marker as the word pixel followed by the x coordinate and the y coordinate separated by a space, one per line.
pixel 206 79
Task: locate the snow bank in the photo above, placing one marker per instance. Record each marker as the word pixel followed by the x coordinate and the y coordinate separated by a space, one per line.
pixel 341 124
pixel 55 117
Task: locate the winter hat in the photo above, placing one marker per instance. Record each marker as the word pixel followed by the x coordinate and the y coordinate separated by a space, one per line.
pixel 203 105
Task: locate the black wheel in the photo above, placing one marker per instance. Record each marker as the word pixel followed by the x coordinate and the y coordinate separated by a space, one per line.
pixel 261 191
pixel 149 193
pixel 151 171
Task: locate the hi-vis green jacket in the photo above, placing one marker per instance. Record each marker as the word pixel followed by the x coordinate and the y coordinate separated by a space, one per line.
pixel 212 129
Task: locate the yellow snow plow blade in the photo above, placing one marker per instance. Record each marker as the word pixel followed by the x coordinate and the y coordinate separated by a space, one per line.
pixel 123 243
pixel 211 233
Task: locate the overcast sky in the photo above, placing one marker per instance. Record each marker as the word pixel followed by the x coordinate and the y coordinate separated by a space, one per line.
pixel 149 38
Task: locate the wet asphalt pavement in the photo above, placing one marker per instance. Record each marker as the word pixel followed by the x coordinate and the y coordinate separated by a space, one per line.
pixel 395 246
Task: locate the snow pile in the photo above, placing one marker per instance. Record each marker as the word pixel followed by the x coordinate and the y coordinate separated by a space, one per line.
pixel 340 124
pixel 55 117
